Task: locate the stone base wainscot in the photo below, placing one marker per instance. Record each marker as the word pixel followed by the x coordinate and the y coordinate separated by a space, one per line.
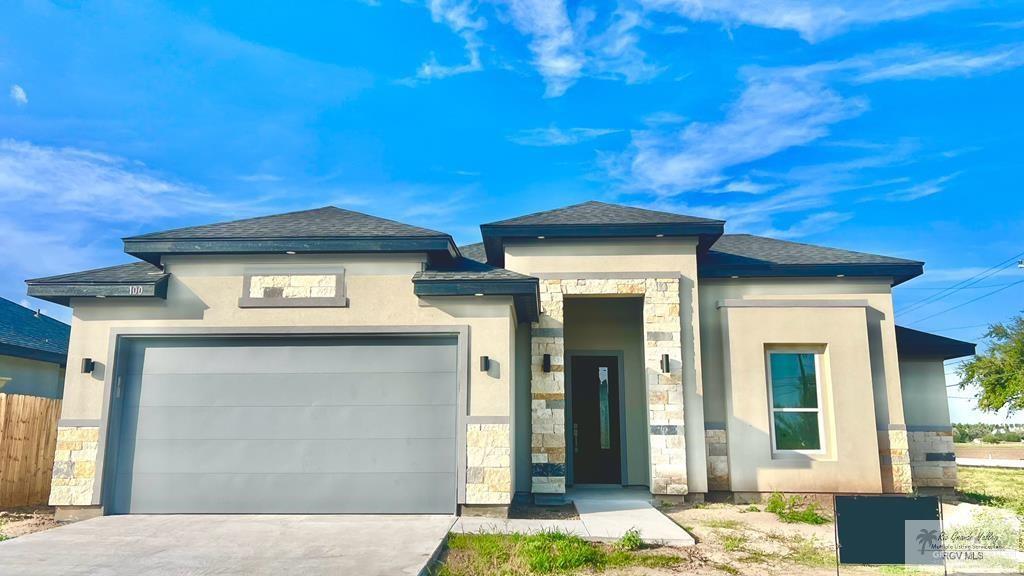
pixel 488 464
pixel 932 459
pixel 717 443
pixel 74 466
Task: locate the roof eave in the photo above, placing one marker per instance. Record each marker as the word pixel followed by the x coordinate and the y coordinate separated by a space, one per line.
pixel 525 292
pixel 899 273
pixel 151 250
pixel 33 354
pixel 62 292
pixel 494 235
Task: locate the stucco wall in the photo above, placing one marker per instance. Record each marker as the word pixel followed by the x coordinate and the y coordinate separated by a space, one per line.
pixel 850 460
pixel 924 392
pixel 640 258
pixel 31 377
pixel 616 325
pixel 204 292
pixel 881 333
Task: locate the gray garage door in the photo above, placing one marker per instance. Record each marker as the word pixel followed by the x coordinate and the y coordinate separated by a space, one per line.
pixel 287 425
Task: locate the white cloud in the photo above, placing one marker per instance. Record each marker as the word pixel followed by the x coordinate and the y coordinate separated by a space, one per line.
pixel 460 16
pixel 923 64
pixel 814 20
pixel 557 54
pixel 554 136
pixel 80 181
pixel 774 113
pixel 18 95
pixel 748 186
pixel 260 177
pixel 921 190
pixel 615 52
pixel 813 224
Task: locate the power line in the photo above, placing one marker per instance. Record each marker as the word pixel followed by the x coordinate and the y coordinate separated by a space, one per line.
pixel 986 295
pixel 978 287
pixel 984 274
pixel 958 328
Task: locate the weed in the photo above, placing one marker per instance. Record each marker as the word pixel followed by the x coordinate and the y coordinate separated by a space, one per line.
pixel 795 510
pixel 734 542
pixel 750 508
pixel 630 541
pixel 727 568
pixel 544 553
pixel 725 523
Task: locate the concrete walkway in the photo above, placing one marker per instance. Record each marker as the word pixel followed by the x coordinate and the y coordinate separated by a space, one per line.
pixel 606 513
pixel 251 545
pixel 990 463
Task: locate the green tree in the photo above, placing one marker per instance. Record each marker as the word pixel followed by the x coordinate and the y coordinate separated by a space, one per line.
pixel 999 371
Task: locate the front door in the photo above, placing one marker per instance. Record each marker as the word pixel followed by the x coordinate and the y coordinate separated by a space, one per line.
pixel 595 420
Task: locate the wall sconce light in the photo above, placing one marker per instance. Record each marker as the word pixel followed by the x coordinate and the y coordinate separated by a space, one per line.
pixel 485 364
pixel 88 365
pixel 547 363
pixel 665 365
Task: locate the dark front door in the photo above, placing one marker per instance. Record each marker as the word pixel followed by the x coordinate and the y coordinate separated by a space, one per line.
pixel 595 420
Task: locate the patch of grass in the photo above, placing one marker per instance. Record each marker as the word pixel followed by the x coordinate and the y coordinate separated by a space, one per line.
pixel 734 542
pixel 750 508
pixel 724 523
pixel 544 553
pixel 795 510
pixel 727 568
pixel 630 541
pixel 807 553
pixel 992 487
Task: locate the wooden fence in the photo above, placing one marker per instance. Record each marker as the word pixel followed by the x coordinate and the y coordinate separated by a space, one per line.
pixel 28 438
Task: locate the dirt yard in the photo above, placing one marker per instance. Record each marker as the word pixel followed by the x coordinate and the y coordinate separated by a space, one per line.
pixel 21 521
pixel 1013 451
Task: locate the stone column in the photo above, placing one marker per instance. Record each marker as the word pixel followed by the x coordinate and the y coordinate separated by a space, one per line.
pixel 894 455
pixel 74 466
pixel 662 329
pixel 548 393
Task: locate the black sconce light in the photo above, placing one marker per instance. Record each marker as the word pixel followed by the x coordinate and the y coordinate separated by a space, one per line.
pixel 547 363
pixel 665 365
pixel 485 364
pixel 88 365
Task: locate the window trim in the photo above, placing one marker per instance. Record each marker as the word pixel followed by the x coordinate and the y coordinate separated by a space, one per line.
pixel 820 410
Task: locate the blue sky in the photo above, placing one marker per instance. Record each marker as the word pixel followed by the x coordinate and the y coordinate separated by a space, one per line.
pixel 888 127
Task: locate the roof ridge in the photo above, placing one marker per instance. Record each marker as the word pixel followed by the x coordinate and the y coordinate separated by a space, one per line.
pixel 421 231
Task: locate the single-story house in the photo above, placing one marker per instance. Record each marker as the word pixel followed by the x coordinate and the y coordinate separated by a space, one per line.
pixel 33 352
pixel 331 361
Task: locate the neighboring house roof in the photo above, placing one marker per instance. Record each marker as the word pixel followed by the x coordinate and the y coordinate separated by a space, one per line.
pixel 912 343
pixel 470 277
pixel 137 279
pixel 596 220
pixel 474 252
pixel 327 229
pixel 745 255
pixel 25 334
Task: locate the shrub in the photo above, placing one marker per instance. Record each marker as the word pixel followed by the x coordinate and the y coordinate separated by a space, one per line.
pixel 795 510
pixel 630 541
pixel 990 439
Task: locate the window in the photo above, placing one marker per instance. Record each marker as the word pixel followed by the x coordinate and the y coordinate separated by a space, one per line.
pixel 794 393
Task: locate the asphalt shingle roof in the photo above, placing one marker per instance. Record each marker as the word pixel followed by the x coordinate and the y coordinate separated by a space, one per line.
pixel 326 222
pixel 132 273
pixel 601 213
pixel 20 327
pixel 747 249
pixel 469 270
pixel 474 252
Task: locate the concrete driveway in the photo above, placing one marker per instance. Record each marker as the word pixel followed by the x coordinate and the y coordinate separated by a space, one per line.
pixel 215 544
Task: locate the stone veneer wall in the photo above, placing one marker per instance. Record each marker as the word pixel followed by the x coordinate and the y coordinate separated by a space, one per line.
pixel 488 464
pixel 717 441
pixel 894 455
pixel 293 286
pixel 74 466
pixel 932 459
pixel 662 329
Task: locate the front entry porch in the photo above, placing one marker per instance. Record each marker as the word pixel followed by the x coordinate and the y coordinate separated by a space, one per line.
pixel 607 399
